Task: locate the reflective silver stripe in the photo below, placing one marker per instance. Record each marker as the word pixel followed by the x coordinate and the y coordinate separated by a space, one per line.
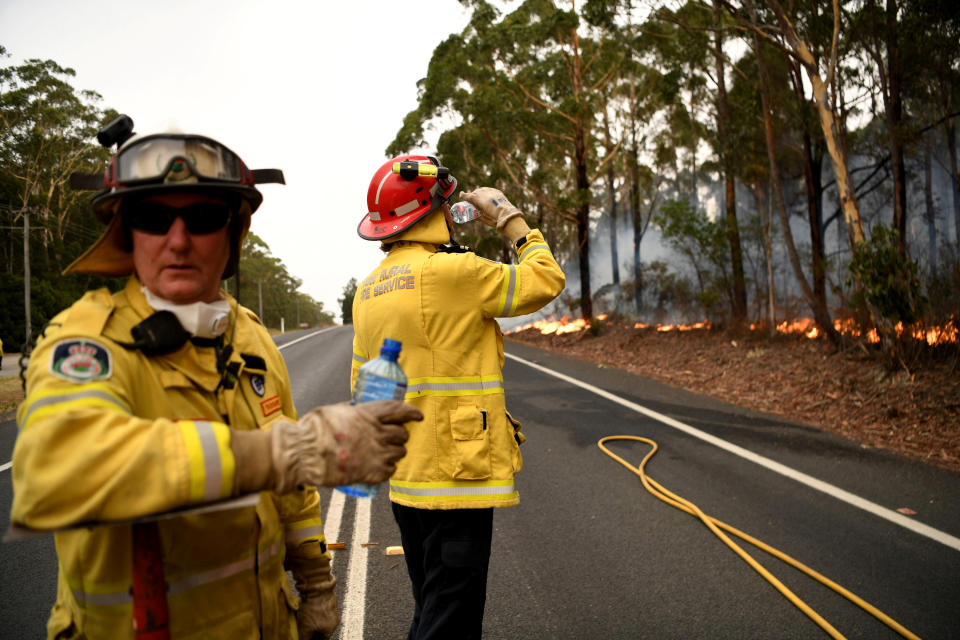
pixel 196 580
pixel 101 599
pixel 307 532
pixel 406 207
pixel 375 215
pixel 232 569
pixel 511 285
pixel 452 491
pixel 425 387
pixel 533 247
pixel 225 571
pixel 212 468
pixel 359 359
pixel 70 397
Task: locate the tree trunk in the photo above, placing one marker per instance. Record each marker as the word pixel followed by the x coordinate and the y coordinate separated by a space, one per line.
pixel 955 174
pixel 820 313
pixel 612 205
pixel 582 185
pixel 812 169
pixel 894 110
pixel 931 214
pixel 739 306
pixel 768 249
pixel 637 225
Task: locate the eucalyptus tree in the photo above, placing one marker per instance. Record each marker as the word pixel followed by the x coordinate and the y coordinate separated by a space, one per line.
pixel 725 147
pixel 692 50
pixel 875 28
pixel 680 51
pixel 46 133
pixel 818 307
pixel 931 51
pixel 629 118
pixel 617 34
pixel 753 171
pixel 529 85
pixel 785 31
pixel 47 130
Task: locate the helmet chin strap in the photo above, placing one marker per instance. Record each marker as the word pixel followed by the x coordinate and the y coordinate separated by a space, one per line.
pixel 453 246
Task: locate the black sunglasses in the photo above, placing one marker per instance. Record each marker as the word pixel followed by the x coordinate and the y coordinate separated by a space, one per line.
pixel 200 219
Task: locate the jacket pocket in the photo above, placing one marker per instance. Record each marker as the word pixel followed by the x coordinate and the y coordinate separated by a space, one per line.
pixel 471 441
pixel 518 439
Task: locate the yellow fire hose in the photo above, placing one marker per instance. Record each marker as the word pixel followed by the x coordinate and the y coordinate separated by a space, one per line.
pixel 716 525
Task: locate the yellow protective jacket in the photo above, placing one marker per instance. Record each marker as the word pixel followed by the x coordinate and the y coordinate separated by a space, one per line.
pixel 109 434
pixel 442 307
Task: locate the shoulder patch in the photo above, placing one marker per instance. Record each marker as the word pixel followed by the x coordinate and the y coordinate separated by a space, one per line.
pixel 81 360
pixel 258 384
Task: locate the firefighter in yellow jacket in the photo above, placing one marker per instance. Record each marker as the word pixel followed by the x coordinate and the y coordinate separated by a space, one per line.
pixel 440 301
pixel 169 395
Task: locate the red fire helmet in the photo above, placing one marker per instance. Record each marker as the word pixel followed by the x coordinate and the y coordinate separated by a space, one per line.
pixel 403 191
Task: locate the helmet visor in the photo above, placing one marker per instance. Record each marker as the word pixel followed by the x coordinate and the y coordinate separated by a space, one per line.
pixel 174 158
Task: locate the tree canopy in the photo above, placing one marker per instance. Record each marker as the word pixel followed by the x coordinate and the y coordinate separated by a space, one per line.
pixel 705 117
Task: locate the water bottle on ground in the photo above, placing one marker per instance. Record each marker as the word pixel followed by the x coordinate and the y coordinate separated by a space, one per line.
pixel 379 379
pixel 463 211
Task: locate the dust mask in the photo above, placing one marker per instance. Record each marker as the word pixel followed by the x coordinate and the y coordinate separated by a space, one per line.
pixel 199 319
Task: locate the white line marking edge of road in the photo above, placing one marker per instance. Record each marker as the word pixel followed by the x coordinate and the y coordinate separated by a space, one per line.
pixel 302 338
pixel 825 487
pixel 354 609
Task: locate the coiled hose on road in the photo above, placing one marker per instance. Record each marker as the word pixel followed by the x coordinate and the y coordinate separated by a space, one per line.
pixel 718 529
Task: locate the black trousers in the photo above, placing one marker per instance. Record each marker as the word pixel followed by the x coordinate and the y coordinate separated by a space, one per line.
pixel 447 553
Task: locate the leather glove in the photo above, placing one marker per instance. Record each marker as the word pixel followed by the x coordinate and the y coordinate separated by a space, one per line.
pixel 318 614
pixel 495 209
pixel 330 446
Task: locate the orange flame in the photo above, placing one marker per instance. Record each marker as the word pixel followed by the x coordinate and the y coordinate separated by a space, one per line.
pixel 948 333
pixel 566 325
pixel 933 336
pixel 559 327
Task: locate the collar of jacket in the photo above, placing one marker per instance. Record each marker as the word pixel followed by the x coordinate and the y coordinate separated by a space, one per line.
pixel 430 230
pixel 196 363
pixel 405 244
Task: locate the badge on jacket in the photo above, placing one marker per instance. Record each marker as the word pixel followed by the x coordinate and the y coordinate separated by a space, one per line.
pixel 257 384
pixel 80 360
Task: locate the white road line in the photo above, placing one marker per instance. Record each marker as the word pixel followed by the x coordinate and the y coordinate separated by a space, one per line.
pixel 810 481
pixel 354 608
pixel 4 467
pixel 301 339
pixel 331 523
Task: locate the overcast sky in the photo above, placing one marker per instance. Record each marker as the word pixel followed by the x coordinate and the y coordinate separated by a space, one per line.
pixel 318 89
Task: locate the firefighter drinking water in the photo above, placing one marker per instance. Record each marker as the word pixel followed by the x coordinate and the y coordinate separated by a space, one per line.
pixel 168 394
pixel 441 302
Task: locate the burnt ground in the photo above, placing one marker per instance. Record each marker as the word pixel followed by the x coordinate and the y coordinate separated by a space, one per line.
pixel 914 413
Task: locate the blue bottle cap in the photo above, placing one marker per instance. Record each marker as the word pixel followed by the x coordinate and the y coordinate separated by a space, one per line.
pixel 390 348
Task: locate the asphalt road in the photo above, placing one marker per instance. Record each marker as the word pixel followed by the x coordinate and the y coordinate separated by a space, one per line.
pixel 589 553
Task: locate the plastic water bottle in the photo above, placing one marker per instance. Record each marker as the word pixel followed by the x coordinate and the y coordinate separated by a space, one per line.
pixel 463 211
pixel 379 379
